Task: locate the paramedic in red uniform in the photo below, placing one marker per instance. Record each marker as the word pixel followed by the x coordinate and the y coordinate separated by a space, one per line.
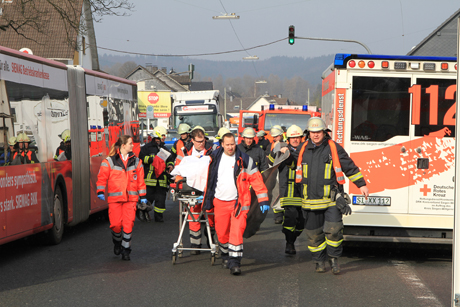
pixel 197 147
pixel 319 178
pixel 231 174
pixel 125 176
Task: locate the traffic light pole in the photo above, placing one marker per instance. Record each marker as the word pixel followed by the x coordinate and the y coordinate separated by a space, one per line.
pixel 336 40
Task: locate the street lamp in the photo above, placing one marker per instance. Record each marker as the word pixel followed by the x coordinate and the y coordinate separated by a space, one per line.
pixel 227 16
pixel 254 57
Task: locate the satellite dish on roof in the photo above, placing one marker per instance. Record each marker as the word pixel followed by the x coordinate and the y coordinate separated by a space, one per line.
pixel 26 50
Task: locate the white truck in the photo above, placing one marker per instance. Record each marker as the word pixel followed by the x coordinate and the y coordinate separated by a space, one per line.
pixel 197 108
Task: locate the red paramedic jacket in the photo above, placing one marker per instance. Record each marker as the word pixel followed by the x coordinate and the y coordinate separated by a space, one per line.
pixel 124 183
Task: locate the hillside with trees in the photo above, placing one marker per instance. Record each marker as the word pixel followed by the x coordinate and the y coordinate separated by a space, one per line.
pixel 289 77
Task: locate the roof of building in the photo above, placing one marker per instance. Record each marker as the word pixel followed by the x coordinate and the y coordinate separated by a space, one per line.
pixel 441 42
pixel 47 37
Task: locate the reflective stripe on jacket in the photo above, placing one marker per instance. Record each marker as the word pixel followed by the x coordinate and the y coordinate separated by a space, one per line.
pixel 246 175
pixel 315 177
pixel 124 183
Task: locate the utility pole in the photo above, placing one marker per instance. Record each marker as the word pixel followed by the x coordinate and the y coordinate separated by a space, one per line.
pixel 225 104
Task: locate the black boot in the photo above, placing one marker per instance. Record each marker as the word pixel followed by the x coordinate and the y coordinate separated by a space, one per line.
pixel 320 267
pixel 117 248
pixel 290 249
pixel 125 254
pixel 335 267
pixel 195 252
pixel 158 217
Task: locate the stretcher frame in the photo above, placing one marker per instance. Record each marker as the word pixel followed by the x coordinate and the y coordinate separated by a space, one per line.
pixel 186 203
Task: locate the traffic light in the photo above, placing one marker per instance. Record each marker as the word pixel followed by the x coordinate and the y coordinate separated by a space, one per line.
pixel 291 35
pixel 191 69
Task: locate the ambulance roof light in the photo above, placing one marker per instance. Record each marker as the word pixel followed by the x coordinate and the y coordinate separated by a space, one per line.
pixel 271 107
pixel 304 108
pixel 385 64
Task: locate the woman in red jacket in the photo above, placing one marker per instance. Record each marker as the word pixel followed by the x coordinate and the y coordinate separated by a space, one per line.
pixel 125 176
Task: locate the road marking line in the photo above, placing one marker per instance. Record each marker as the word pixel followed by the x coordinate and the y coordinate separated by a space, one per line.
pixel 418 289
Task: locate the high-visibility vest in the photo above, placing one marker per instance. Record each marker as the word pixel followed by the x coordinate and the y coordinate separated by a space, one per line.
pixel 335 162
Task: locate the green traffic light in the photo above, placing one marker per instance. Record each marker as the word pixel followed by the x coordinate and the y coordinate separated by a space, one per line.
pixel 291 41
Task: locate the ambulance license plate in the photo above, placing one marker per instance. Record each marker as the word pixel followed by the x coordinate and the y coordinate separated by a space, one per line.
pixel 372 201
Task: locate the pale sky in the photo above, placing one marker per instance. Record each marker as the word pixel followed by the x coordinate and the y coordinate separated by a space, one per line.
pixel 186 27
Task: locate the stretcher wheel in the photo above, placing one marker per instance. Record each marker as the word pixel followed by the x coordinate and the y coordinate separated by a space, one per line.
pixel 174 257
pixel 213 259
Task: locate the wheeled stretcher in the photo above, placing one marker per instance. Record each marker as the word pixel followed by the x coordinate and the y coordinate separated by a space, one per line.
pixel 188 198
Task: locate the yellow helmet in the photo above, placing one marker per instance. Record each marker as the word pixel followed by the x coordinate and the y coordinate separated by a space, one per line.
pixel 22 137
pixel 294 131
pixel 199 127
pixel 248 133
pixel 276 130
pixel 65 135
pixel 159 131
pixel 316 124
pixel 12 141
pixel 222 131
pixel 183 128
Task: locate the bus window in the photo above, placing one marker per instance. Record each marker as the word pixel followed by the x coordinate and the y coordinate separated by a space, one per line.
pixel 380 108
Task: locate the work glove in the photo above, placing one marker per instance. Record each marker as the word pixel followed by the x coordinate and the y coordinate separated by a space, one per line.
pixel 264 206
pixel 101 196
pixel 342 204
pixel 200 199
pixel 144 200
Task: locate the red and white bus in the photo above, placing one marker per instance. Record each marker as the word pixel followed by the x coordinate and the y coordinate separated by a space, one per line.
pixel 43 98
pixel 395 116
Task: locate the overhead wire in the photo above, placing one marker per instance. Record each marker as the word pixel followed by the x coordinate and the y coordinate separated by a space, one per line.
pixel 191 55
pixel 236 34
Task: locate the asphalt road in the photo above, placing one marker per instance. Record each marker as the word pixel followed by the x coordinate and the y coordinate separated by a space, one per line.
pixel 83 271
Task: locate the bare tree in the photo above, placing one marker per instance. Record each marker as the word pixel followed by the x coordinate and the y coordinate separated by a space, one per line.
pixel 23 15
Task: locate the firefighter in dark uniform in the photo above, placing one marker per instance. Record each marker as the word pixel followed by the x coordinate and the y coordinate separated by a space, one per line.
pixel 277 134
pixel 262 142
pixel 320 174
pixel 24 155
pixel 184 131
pixel 290 200
pixel 249 147
pixel 157 187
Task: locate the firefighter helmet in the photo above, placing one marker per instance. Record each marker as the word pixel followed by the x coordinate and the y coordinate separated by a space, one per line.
pixel 248 133
pixel 198 127
pixel 316 124
pixel 222 131
pixel 294 131
pixel 12 141
pixel 261 133
pixel 276 131
pixel 183 128
pixel 22 137
pixel 65 135
pixel 159 131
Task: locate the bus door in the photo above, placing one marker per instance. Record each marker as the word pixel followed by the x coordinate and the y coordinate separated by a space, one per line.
pixel 432 152
pixel 377 137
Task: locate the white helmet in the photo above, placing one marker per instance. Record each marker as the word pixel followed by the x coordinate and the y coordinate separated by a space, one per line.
pixel 294 131
pixel 248 133
pixel 276 130
pixel 12 141
pixel 261 133
pixel 183 128
pixel 316 124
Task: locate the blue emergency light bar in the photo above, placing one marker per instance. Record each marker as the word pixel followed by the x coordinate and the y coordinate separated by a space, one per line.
pixel 271 107
pixel 304 108
pixel 341 59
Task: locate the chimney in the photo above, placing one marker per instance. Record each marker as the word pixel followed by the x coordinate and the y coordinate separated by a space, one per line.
pixel 154 68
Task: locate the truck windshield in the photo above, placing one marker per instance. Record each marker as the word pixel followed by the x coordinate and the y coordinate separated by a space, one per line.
pixel 286 120
pixel 207 121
